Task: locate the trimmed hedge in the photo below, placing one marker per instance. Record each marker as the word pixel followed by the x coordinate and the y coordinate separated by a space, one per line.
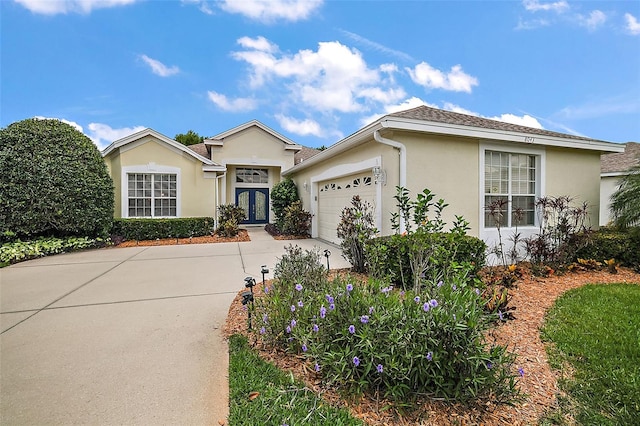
pixel 607 244
pixel 152 229
pixel 388 257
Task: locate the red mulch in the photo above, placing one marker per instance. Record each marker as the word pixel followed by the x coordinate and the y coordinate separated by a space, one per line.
pixel 243 235
pixel 531 298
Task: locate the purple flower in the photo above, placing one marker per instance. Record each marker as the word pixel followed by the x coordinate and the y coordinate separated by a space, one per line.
pixel 265 318
pixel 521 372
pixel 316 367
pixel 323 311
pixel 489 365
pixel 332 307
pixel 379 368
pixel 386 290
pixel 500 316
pixel 300 304
pixel 293 308
pixel 266 289
pixel 416 299
pixel 288 329
pixel 299 287
pixel 352 329
pixel 370 310
pixel 329 298
pixel 304 348
pixel 454 287
pixel 293 323
pixel 433 303
pixel 356 361
pixel 478 291
pixel 315 328
pixel 440 283
pixel 425 307
pixel 364 319
pixel 263 330
pixel 349 287
pixel 429 356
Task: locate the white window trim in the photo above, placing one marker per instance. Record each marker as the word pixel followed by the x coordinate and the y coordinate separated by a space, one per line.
pixel 151 168
pixel 490 235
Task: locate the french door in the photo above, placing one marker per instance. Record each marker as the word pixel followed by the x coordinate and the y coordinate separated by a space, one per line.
pixel 255 202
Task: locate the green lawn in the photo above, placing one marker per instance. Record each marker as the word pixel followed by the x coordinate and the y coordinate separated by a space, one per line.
pixel 595 336
pixel 281 400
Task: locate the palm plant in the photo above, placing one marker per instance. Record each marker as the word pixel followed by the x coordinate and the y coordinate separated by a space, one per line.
pixel 625 202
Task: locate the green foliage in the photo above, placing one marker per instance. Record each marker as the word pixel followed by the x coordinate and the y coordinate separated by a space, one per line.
pixel 297 221
pixel 356 227
pixel 280 399
pixel 189 138
pixel 229 217
pixel 53 182
pixel 18 251
pixel 625 202
pixel 594 335
pixel 300 267
pixel 369 337
pixel 283 194
pixel 152 229
pixel 606 244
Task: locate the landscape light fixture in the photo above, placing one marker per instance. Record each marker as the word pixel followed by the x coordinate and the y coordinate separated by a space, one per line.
pixel 264 271
pixel 247 296
pixel 327 253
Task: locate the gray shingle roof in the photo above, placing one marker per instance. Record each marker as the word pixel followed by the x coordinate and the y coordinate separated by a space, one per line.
pixel 623 161
pixel 201 149
pixel 426 113
pixel 304 154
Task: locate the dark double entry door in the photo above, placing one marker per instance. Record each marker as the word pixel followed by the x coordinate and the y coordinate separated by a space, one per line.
pixel 255 202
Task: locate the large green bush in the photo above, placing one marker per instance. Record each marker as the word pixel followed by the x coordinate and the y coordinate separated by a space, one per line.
pixel 151 229
pixel 283 194
pixel 606 244
pixel 18 251
pixel 53 182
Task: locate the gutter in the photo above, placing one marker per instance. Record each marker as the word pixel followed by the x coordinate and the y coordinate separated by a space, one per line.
pixel 403 164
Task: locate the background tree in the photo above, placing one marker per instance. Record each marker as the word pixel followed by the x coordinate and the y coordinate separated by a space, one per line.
pixel 189 138
pixel 625 202
pixel 53 182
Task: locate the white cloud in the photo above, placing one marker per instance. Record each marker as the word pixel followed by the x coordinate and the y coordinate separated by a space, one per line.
pixel 595 19
pixel 159 68
pixel 259 43
pixel 535 6
pixel 377 46
pixel 531 24
pixel 304 127
pixel 633 26
pixel 103 134
pixel 431 78
pixel 233 105
pixel 54 7
pixel 201 4
pixel 524 120
pixel 268 11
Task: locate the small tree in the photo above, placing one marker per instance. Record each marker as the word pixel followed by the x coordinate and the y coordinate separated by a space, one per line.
pixel 355 228
pixel 189 138
pixel 53 182
pixel 283 194
pixel 625 202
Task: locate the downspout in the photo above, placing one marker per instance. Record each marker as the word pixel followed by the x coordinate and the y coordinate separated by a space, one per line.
pixel 403 163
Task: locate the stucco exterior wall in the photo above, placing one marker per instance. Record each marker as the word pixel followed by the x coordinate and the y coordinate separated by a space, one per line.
pixel 196 194
pixel 575 173
pixel 608 185
pixel 251 147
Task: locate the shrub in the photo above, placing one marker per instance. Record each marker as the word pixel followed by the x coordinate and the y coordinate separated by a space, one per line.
pixel 297 221
pixel 299 267
pixel 152 229
pixel 606 244
pixel 18 251
pixel 53 182
pixel 283 194
pixel 367 338
pixel 229 217
pixel 355 228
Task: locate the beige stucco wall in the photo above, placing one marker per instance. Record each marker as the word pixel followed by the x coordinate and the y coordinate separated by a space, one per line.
pixel 575 173
pixel 608 185
pixel 196 193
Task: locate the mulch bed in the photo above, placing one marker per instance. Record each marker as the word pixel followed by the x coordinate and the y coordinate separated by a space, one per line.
pixel 243 235
pixel 531 297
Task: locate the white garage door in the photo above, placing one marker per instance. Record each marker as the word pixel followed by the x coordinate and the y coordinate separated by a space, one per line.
pixel 335 195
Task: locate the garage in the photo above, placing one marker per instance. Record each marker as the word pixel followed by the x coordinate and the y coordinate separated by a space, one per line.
pixel 336 194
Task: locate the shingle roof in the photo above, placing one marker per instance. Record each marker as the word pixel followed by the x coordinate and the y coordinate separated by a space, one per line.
pixel 623 161
pixel 201 149
pixel 449 117
pixel 304 154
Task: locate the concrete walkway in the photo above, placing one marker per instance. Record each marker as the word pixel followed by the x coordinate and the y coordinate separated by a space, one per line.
pixel 125 335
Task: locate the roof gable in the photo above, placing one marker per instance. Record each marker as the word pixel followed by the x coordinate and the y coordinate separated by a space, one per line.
pixel 219 138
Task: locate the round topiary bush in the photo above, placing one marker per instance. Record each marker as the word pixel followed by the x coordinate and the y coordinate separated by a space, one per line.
pixel 53 182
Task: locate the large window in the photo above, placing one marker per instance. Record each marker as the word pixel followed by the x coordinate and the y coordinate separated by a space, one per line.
pixel 510 182
pixel 252 175
pixel 152 195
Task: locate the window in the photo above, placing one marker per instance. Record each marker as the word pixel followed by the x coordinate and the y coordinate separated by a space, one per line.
pixel 509 189
pixel 152 195
pixel 252 176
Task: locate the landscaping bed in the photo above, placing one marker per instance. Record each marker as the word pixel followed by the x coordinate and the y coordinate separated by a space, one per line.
pixel 531 297
pixel 243 235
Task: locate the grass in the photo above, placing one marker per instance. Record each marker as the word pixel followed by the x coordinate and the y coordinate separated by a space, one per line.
pixel 281 400
pixel 595 336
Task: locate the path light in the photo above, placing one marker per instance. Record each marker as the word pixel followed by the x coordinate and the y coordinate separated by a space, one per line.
pixel 327 253
pixel 247 296
pixel 264 271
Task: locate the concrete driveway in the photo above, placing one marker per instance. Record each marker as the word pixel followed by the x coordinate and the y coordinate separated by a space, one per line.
pixel 125 335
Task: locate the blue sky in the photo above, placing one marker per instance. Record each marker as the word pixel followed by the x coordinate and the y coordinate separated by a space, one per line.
pixel 317 71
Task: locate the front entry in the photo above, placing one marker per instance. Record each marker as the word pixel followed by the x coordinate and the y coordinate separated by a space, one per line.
pixel 255 203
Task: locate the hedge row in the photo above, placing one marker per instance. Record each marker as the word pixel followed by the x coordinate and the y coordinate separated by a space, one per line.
pixel 388 257
pixel 607 243
pixel 151 229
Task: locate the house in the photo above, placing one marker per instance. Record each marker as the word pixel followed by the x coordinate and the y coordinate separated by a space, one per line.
pixel 612 168
pixel 155 176
pixel 467 160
